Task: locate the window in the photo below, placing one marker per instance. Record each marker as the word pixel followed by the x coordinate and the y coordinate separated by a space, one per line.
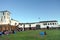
pixel 30 25
pixel 15 23
pixel 37 26
pixel 44 23
pixel 48 23
pixel 20 24
pixel 1 19
pixel 7 13
pixel 3 13
pixel 53 23
pixel 4 17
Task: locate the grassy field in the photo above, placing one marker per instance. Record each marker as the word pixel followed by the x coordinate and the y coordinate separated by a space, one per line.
pixel 33 35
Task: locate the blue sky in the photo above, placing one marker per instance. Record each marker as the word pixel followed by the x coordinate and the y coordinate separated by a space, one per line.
pixel 32 10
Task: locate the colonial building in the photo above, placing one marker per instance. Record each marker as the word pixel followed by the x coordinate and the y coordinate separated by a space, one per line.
pixel 39 25
pixel 5 19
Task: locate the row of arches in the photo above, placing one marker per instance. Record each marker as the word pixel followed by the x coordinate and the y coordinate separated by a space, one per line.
pixel 7 27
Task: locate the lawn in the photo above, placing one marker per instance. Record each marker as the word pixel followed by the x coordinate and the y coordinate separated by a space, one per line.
pixel 33 35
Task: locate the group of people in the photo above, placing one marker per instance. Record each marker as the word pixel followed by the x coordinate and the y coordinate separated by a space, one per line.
pixel 6 32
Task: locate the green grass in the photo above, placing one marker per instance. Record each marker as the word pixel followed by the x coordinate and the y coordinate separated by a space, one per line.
pixel 33 35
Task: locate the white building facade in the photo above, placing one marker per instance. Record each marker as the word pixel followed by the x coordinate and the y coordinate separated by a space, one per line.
pixel 4 17
pixel 41 24
pixel 14 22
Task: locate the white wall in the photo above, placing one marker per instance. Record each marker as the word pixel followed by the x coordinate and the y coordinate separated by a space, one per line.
pixel 27 25
pixel 5 18
pixel 41 25
pixel 45 26
pixel 13 22
pixel 33 25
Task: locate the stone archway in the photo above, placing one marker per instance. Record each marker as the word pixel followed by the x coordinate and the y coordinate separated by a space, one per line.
pixel 37 26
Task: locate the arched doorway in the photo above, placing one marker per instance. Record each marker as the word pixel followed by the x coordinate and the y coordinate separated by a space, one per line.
pixel 37 26
pixel 47 27
pixel 29 26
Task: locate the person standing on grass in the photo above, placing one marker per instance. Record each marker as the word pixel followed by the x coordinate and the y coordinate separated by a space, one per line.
pixel 45 32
